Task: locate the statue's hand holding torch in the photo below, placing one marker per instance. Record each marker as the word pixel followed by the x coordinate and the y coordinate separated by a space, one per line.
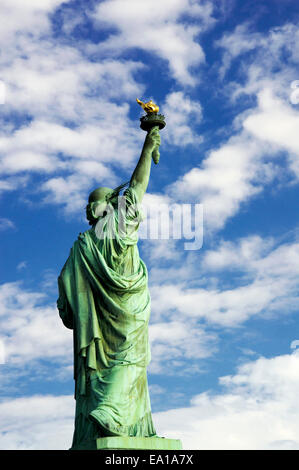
pixel 153 141
pixel 152 122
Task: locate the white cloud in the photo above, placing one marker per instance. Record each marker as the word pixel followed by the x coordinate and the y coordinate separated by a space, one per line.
pixel 240 168
pixel 158 27
pixel 23 161
pixel 31 329
pixel 258 410
pixel 257 256
pixel 240 254
pixel 59 82
pixel 36 146
pixel 158 250
pixel 30 17
pixel 228 177
pixel 156 389
pixel 154 206
pixel 71 192
pixel 165 222
pixel 177 270
pixel 10 183
pixel 22 265
pixel 230 307
pixel 68 99
pixel 177 349
pixel 182 114
pixel 38 422
pixel 6 223
pixel 263 58
pixel 267 287
pixel 85 157
pixel 236 43
pixel 276 123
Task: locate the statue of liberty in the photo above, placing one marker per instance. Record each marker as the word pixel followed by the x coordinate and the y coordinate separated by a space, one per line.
pixel 104 299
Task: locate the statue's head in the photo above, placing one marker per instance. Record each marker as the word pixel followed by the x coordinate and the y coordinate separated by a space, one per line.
pixel 97 204
pixel 99 194
pixel 98 201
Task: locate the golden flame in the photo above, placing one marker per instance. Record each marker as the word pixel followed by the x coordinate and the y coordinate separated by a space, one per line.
pixel 149 107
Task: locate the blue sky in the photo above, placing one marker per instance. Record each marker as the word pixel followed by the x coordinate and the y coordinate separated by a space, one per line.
pixel 224 369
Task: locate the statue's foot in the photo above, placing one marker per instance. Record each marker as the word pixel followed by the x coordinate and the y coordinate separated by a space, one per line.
pixel 106 428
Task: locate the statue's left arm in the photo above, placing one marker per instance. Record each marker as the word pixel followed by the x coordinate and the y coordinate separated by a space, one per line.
pixel 140 177
pixel 65 310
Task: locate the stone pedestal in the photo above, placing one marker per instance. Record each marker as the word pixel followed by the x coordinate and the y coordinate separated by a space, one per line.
pixel 131 443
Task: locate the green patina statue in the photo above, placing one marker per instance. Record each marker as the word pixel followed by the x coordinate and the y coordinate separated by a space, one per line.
pixel 104 298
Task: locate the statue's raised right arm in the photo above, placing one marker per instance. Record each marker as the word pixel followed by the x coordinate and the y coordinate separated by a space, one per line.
pixel 140 177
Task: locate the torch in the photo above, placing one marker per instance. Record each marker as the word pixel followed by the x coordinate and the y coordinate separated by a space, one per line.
pixel 150 120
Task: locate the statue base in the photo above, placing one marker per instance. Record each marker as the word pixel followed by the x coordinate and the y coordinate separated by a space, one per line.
pixel 130 443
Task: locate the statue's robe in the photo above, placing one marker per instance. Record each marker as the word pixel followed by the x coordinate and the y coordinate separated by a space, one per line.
pixel 104 298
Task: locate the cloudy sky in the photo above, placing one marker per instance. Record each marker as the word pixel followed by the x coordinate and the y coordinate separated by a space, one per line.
pixel 224 331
